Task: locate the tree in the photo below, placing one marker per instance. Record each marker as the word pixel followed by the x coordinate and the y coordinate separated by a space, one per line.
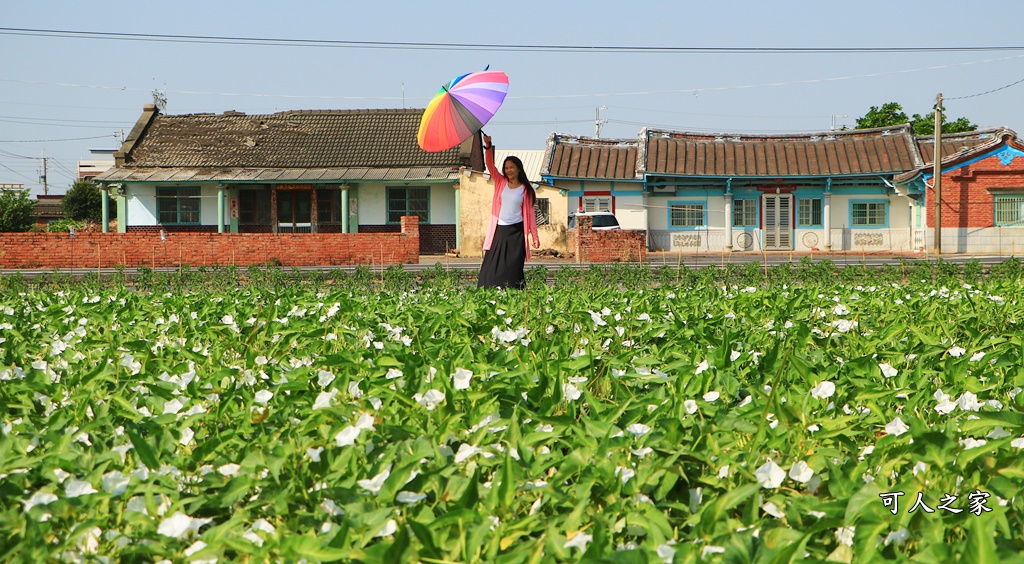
pixel 16 211
pixel 892 114
pixel 84 202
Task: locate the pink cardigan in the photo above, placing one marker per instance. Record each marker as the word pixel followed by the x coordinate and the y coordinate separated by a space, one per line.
pixel 529 216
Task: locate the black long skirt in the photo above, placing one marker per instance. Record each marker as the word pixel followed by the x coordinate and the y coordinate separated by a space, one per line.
pixel 503 262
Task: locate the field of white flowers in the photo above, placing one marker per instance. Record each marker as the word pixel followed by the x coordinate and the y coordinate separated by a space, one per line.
pixel 767 423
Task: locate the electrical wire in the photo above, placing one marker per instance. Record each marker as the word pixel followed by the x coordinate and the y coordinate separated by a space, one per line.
pixel 327 43
pixel 55 140
pixel 986 92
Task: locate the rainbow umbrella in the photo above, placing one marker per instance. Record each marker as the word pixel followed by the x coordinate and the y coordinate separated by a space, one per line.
pixel 460 109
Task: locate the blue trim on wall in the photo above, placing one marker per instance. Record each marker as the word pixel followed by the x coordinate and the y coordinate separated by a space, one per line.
pixel 849 214
pixel 1005 153
pixel 701 228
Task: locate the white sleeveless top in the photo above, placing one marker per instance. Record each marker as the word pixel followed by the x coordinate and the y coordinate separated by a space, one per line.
pixel 511 206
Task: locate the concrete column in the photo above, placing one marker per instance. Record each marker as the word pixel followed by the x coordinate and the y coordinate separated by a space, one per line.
pixel 122 213
pixel 220 209
pixel 344 208
pixel 728 222
pixel 105 213
pixel 826 221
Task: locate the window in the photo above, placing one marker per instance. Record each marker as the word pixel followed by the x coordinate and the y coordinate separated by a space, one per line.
pixel 1010 210
pixel 744 213
pixel 178 205
pixel 686 215
pixel 254 206
pixel 808 212
pixel 868 214
pixel 542 207
pixel 413 200
pixel 597 204
pixel 328 205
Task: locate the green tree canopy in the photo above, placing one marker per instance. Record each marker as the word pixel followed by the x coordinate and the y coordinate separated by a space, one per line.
pixel 84 202
pixel 16 211
pixel 891 113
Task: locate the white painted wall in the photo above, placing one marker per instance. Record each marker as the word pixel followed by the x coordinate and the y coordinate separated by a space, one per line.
pixel 141 205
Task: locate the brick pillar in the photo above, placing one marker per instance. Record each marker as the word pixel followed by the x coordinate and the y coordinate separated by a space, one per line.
pixel 584 236
pixel 313 219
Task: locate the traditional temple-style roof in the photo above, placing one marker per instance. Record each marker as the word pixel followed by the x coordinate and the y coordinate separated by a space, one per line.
pixel 294 146
pixel 571 156
pixel 878 151
pixel 956 144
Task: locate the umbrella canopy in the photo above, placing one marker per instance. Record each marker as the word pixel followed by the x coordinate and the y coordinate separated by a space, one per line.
pixel 461 108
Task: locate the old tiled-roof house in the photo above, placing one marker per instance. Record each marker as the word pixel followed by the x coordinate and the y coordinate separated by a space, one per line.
pixel 289 172
pixel 704 191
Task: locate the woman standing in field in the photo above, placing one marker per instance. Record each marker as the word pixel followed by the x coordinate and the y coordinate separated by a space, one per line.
pixel 512 220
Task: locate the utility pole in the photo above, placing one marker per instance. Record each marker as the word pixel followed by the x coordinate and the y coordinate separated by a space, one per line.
pixel 42 178
pixel 598 122
pixel 937 179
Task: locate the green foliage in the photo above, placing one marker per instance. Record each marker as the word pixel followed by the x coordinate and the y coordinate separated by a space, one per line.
pixel 84 202
pixel 891 113
pixel 15 211
pixel 65 225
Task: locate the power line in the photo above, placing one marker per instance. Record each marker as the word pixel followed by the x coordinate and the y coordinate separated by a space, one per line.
pixel 55 140
pixel 326 43
pixel 987 91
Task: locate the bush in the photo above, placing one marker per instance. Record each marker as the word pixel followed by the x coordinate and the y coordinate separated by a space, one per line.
pixel 64 225
pixel 16 211
pixel 84 202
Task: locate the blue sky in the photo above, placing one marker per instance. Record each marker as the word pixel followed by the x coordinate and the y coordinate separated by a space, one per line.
pixel 54 91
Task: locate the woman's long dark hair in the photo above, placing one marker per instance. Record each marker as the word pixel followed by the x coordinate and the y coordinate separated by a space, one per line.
pixel 522 175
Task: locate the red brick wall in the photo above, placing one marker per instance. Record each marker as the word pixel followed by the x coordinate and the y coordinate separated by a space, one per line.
pixel 966 200
pixel 617 245
pixel 435 239
pixel 107 250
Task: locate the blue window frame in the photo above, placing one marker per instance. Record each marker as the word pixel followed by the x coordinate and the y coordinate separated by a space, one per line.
pixel 687 215
pixel 869 213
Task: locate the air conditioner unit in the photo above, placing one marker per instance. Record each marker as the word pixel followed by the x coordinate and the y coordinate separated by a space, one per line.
pixel 664 189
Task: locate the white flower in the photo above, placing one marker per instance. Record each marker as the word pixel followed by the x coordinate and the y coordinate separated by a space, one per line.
pixel 173 406
pixel 580 541
pixel 461 378
pixel 374 484
pixel 347 436
pixel 329 506
pixel 887 370
pixel 997 433
pixel 773 510
pixel 690 406
pixel 840 310
pixel 263 396
pixel 430 400
pixel 899 537
pixel 801 472
pixel 956 351
pixel 89 542
pixel 1016 443
pixel 711 396
pixel 324 378
pixel 733 355
pixel 969 402
pixel 465 451
pixel 638 429
pixel 641 452
pixel 77 488
pixel 229 470
pixel 409 497
pixel 324 399
pixel 571 393
pixel 179 525
pixel 770 475
pixel 624 474
pixel 114 483
pixel 945 406
pixel 314 453
pixel 393 373
pixel 704 553
pixel 971 442
pixel 845 535
pixel 823 390
pixel 896 427
pixel 976 357
pixel 701 367
pixel 723 472
pixel 388 529
pixel 39 498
